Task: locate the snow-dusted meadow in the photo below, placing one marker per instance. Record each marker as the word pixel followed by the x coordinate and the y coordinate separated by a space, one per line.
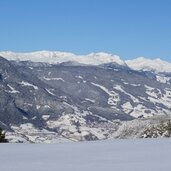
pixel 109 155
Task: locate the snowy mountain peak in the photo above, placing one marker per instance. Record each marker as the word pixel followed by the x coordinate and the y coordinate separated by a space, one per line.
pixel 38 56
pixel 99 58
pixel 156 65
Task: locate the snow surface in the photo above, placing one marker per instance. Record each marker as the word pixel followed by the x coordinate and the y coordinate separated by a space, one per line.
pixel 54 79
pixel 23 83
pixel 49 91
pixel 12 89
pixel 110 155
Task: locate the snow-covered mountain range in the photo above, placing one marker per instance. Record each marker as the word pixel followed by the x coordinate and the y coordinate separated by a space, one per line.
pixel 59 57
pixel 56 96
pixel 55 57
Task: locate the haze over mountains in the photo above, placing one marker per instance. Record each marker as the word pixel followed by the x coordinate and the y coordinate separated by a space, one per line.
pixel 56 96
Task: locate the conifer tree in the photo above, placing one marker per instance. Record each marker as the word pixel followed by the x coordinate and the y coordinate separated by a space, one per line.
pixel 2 136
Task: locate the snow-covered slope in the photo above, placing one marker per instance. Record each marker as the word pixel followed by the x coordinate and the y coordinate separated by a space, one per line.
pixel 120 155
pixel 59 57
pixel 156 65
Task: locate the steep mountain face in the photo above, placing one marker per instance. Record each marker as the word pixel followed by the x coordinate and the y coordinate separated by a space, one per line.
pixel 42 102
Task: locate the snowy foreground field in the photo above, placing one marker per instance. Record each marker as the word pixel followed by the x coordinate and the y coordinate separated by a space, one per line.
pixel 110 155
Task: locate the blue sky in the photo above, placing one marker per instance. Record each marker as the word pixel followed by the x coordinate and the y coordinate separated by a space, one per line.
pixel 128 28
